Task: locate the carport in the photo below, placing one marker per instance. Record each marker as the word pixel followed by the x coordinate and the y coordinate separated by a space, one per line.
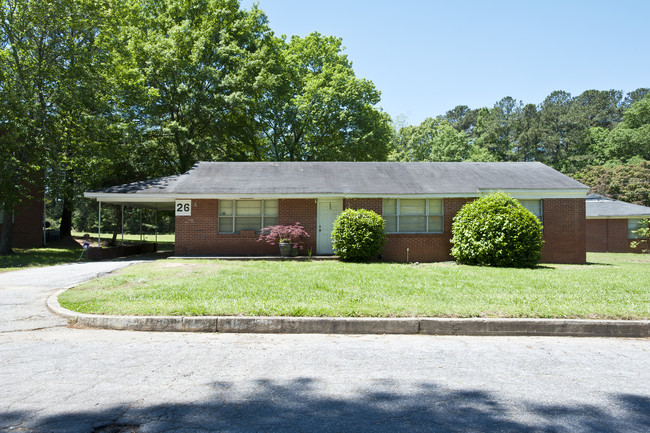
pixel 139 195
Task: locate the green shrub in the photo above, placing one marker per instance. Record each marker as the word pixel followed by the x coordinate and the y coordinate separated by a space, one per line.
pixel 496 230
pixel 358 234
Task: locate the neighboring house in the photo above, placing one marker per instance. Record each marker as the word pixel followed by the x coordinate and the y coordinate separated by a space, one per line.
pixel 611 224
pixel 28 222
pixel 221 206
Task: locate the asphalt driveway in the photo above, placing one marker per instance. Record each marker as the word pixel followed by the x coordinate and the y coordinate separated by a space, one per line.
pixel 58 379
pixel 23 293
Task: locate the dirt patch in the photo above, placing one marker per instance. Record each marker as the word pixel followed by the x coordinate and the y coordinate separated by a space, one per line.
pixel 168 265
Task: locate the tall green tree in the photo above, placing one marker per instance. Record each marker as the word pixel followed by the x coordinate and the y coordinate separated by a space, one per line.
pixel 496 128
pixel 55 69
pixel 30 65
pixel 635 95
pixel 462 118
pixel 556 129
pixel 625 182
pixel 317 109
pixel 527 135
pixel 630 139
pixel 436 140
pixel 188 73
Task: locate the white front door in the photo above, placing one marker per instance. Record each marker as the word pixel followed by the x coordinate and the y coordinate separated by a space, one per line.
pixel 328 210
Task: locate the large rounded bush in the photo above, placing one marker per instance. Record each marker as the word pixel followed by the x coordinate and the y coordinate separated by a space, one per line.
pixel 358 234
pixel 496 230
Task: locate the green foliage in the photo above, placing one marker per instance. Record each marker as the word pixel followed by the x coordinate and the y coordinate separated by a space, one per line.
pixel 187 74
pixel 462 118
pixel 315 108
pixel 52 93
pixel 566 132
pixel 626 182
pixel 358 234
pixel 436 140
pixel 496 230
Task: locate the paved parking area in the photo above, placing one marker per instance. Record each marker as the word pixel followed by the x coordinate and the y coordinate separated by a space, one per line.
pixel 58 379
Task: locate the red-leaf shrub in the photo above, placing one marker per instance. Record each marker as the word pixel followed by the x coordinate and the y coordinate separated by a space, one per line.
pixel 294 233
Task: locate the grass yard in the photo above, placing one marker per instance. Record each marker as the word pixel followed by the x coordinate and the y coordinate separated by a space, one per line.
pixel 30 257
pixel 610 286
pixel 164 240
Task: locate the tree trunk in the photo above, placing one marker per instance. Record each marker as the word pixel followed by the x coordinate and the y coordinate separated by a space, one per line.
pixel 117 227
pixel 68 207
pixel 7 233
pixel 66 220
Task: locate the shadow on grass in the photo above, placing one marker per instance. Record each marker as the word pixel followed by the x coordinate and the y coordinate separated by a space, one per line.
pixel 298 405
pixel 28 257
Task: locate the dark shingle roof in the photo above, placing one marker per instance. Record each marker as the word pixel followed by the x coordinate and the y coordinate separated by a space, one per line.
pixel 363 178
pixel 598 206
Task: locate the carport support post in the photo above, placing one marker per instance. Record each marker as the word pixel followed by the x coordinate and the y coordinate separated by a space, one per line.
pixel 122 242
pixel 155 213
pixel 44 217
pixel 99 226
pixel 140 225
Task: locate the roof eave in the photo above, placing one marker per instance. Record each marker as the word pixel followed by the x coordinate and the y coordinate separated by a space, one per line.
pixel 171 197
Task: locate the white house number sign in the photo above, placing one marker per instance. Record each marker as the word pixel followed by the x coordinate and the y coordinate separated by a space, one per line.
pixel 183 208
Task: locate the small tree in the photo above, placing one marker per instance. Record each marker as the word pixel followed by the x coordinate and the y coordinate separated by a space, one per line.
pixel 642 236
pixel 294 234
pixel 358 234
pixel 496 230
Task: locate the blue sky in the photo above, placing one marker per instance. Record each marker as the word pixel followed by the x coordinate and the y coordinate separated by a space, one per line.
pixel 426 57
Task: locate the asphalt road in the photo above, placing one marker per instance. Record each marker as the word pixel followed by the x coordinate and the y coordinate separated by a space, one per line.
pixel 58 379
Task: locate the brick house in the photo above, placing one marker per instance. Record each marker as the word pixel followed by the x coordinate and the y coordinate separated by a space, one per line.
pixel 221 206
pixel 28 221
pixel 611 224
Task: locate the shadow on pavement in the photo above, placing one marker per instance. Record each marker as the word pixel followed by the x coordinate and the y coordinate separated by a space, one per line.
pixel 299 406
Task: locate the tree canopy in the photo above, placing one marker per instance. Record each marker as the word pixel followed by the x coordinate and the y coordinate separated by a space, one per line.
pixel 100 92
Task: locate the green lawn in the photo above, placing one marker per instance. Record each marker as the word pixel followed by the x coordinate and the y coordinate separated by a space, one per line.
pixel 164 240
pixel 610 286
pixel 30 257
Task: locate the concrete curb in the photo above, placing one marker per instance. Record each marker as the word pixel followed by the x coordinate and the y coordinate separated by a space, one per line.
pixel 343 325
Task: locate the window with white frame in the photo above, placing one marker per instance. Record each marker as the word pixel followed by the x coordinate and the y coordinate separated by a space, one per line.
pixel 238 215
pixel 413 215
pixel 634 224
pixel 535 207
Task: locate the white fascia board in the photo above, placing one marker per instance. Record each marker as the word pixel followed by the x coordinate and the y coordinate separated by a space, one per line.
pixel 617 217
pixel 539 194
pixel 171 197
pixel 128 198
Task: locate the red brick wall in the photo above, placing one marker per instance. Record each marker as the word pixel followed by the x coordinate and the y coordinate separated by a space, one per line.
pixel 429 247
pixel 564 233
pixel 373 204
pixel 597 235
pixel 565 239
pixel 303 211
pixel 198 234
pixel 28 222
pixel 609 235
pixel 433 247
